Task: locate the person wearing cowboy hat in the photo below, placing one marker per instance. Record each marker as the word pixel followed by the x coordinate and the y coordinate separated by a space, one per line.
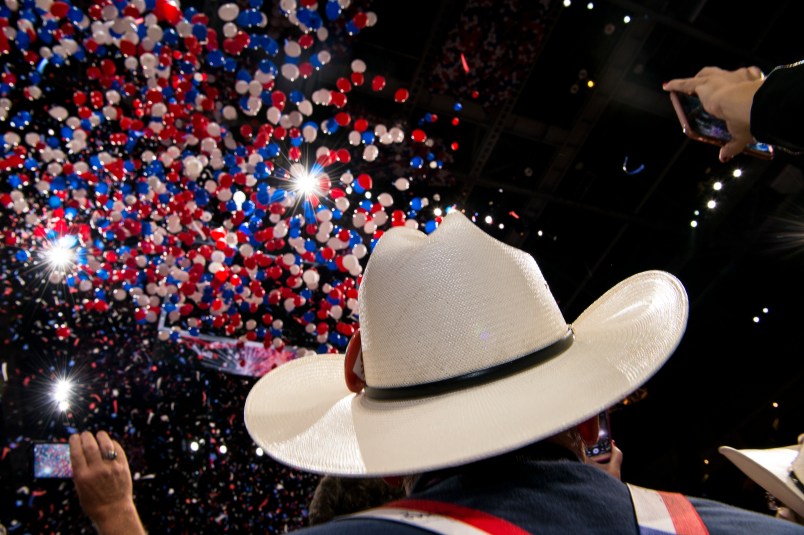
pixel 780 471
pixel 466 380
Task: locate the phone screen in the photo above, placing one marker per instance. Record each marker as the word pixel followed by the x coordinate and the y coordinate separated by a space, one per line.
pixel 700 125
pixel 52 460
pixel 603 445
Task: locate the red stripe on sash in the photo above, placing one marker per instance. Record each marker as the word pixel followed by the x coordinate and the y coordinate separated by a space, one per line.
pixel 478 519
pixel 685 518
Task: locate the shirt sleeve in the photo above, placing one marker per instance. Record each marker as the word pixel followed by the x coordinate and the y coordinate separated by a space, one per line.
pixel 777 112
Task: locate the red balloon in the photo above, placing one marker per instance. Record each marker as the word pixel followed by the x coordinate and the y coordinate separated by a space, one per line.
pixel 378 83
pixel 401 95
pixel 418 135
pixel 343 118
pixel 167 10
pixel 361 125
pixel 365 182
pixel 343 85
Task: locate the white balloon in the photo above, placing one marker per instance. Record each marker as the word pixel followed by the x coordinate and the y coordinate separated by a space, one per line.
pixel 370 153
pixel 230 30
pixel 358 65
pixel 309 133
pixel 229 113
pixel 228 12
pixel 402 184
pixel 305 107
pixel 58 112
pixel 385 199
pixel 350 262
pixel 311 277
pixel 354 138
pixel 292 49
pixel 380 218
pixel 274 114
pixel 290 71
pixel 358 219
pixel 342 204
pixel 359 250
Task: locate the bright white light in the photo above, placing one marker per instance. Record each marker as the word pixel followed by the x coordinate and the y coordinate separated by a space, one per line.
pixel 711 205
pixel 63 406
pixel 590 5
pixel 567 3
pixel 368 195
pixel 194 445
pixel 717 186
pixel 696 212
pixel 437 212
pixel 260 452
pixel 756 319
pixel 694 224
pixel 304 183
pixel 540 233
pixel 765 310
pixel 626 19
pixel 488 219
pixel 62 390
pixel 223 449
pixel 737 173
pixel 502 226
pixel 60 256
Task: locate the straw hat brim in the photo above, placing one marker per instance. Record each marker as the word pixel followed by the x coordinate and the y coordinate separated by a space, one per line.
pixel 770 469
pixel 303 415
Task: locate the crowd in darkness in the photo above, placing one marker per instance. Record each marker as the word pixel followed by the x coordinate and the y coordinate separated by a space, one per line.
pixel 157 405
pixel 499 41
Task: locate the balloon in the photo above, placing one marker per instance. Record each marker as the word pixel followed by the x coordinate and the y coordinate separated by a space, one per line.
pixel 228 12
pixel 402 184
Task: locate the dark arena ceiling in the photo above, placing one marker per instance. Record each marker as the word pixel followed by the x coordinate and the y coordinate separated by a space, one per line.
pixel 544 121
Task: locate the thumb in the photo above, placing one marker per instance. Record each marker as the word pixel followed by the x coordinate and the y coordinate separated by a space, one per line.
pixel 736 145
pixel 731 149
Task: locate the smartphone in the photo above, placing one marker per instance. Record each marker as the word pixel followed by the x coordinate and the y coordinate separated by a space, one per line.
pixel 701 126
pixel 602 449
pixel 52 460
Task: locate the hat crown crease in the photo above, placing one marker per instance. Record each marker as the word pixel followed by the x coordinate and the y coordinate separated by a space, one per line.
pixel 490 301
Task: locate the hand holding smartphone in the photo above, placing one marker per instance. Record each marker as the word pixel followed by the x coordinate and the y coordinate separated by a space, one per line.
pixel 601 450
pixel 699 125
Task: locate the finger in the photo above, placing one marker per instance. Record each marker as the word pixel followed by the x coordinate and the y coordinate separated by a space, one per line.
pixel 755 73
pixel 105 443
pixel 709 71
pixel 681 85
pixel 616 455
pixel 121 453
pixel 91 450
pixel 77 459
pixel 732 149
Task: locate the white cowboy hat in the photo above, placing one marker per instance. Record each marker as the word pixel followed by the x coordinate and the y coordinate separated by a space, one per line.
pixel 466 356
pixel 780 471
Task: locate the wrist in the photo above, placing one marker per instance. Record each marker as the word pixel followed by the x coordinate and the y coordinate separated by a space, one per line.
pixel 117 518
